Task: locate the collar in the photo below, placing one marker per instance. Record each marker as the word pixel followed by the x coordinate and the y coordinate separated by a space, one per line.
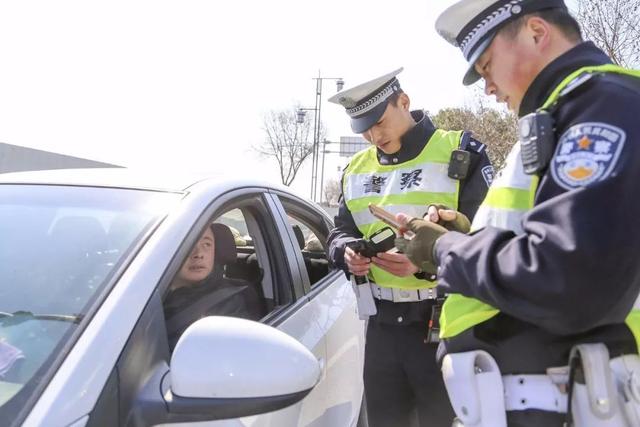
pixel 582 55
pixel 412 143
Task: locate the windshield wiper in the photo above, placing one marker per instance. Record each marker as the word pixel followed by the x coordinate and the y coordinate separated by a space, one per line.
pixel 21 316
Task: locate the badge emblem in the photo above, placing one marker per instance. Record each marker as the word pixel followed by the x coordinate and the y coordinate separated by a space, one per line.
pixel 488 174
pixel 586 153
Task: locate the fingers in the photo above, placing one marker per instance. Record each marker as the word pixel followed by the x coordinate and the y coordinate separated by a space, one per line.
pixel 391 257
pixel 447 214
pixel 454 220
pixel 396 264
pixel 359 270
pixel 403 219
pixel 433 214
pixel 356 264
pixel 359 267
pixel 415 224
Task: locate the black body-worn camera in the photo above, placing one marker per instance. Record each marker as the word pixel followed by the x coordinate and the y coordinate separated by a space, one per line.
pixel 459 164
pixel 535 132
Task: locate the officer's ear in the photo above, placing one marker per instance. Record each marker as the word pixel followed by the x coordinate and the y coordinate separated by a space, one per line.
pixel 404 103
pixel 539 32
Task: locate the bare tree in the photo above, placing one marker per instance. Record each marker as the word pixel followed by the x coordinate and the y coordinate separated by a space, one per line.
pixel 332 191
pixel 613 25
pixel 498 129
pixel 288 141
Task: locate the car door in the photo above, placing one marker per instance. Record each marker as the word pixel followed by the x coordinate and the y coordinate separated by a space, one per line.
pixel 331 298
pixel 129 394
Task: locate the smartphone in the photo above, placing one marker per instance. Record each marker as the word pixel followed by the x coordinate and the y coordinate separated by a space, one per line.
pixel 389 219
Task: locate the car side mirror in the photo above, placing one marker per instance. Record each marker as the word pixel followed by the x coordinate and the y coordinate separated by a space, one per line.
pixel 224 367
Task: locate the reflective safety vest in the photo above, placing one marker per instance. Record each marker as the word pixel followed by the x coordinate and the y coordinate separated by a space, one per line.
pixel 510 196
pixel 407 188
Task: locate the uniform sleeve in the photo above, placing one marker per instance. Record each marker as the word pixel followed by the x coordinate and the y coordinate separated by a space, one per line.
pixel 474 188
pixel 345 230
pixel 576 267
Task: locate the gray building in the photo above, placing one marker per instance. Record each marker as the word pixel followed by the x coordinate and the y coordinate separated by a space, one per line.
pixel 14 158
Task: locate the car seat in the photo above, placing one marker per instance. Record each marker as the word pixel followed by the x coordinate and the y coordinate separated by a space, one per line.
pixel 236 266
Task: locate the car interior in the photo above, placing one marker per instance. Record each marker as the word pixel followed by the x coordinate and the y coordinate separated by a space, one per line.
pixel 241 250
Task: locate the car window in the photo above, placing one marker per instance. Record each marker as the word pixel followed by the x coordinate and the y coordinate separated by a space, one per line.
pixel 311 233
pixel 60 246
pixel 233 276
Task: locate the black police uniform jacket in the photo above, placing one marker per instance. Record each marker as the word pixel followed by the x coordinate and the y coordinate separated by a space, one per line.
pixel 574 275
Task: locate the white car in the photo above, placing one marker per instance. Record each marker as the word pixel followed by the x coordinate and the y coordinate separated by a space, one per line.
pixel 86 261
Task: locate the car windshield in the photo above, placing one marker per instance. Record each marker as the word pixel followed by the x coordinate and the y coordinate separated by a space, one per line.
pixel 59 248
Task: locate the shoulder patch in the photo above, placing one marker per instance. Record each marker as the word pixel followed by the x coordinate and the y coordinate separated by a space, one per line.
pixel 587 153
pixel 488 173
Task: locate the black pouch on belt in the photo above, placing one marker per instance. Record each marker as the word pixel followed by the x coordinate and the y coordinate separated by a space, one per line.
pixel 433 333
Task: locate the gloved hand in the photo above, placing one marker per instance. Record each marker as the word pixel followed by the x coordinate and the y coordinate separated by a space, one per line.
pixel 420 249
pixel 448 218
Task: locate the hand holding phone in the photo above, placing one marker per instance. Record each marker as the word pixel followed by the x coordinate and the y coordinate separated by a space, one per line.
pixel 389 219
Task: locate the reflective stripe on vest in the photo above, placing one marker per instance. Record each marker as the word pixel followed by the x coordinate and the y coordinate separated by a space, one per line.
pixel 408 188
pixel 510 196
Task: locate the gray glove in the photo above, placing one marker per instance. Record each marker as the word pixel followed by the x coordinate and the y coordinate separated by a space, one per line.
pixel 420 249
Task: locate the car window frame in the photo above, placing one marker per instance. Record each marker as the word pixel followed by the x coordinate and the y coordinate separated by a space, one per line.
pixel 233 199
pixel 303 208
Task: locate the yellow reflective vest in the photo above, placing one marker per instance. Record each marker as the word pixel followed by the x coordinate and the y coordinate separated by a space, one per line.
pixel 407 187
pixel 510 196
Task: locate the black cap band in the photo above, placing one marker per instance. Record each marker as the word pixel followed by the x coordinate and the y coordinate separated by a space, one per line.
pixel 487 23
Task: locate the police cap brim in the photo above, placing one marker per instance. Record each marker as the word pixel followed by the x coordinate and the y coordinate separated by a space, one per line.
pixel 363 123
pixel 472 75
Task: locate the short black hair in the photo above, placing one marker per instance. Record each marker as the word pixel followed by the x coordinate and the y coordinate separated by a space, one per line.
pixel 560 18
pixel 393 99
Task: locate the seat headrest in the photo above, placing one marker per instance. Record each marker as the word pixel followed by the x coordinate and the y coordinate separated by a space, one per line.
pixel 226 251
pixel 299 235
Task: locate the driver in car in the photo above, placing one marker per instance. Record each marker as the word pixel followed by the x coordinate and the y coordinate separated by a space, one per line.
pixel 201 289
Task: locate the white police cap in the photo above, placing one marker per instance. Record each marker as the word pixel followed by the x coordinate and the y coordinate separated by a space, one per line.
pixel 471 25
pixel 366 103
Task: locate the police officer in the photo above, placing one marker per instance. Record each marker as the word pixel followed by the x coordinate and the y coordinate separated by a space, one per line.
pixel 552 262
pixel 408 167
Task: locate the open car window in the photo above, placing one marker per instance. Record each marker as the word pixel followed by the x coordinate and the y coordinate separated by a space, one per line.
pixel 311 231
pixel 241 275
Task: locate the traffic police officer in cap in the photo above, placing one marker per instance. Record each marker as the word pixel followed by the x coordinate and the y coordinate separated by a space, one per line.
pixel 409 166
pixel 542 322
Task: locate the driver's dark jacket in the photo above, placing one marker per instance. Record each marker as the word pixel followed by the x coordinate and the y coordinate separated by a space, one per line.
pixel 215 296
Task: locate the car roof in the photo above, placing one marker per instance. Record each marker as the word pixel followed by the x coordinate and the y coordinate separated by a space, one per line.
pixel 164 180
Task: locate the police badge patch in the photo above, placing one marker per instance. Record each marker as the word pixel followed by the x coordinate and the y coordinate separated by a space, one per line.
pixel 488 174
pixel 586 153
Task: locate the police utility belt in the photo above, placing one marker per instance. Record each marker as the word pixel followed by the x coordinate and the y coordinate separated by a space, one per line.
pixel 591 391
pixel 402 295
pixel 367 291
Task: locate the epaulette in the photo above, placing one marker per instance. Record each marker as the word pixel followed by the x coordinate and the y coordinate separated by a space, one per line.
pixel 470 144
pixel 579 82
pixel 584 81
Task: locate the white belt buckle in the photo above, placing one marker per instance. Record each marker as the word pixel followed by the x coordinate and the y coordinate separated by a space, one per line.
pixel 403 295
pixel 428 293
